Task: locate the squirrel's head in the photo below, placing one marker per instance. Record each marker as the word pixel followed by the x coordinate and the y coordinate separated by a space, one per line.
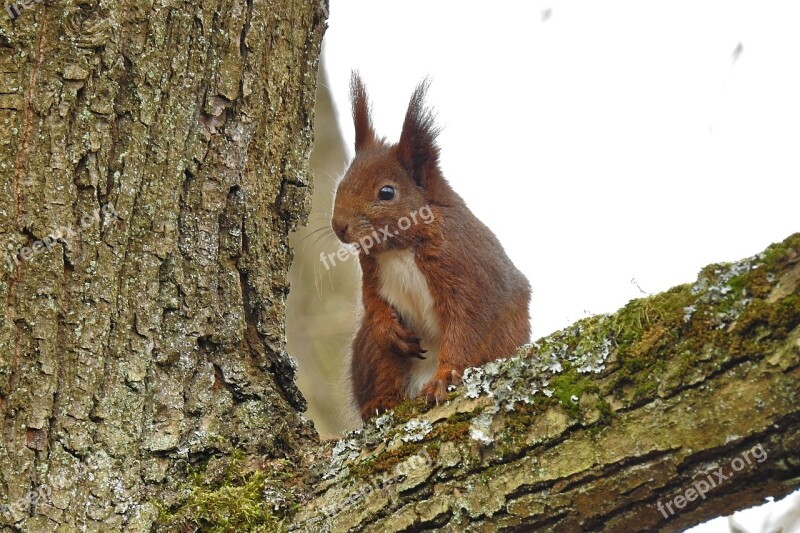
pixel 389 185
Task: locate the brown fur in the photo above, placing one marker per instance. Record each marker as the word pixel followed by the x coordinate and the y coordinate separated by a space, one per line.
pixel 480 298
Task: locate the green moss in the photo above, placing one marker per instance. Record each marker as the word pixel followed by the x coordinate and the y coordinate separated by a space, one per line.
pixel 408 409
pixel 227 508
pixel 606 413
pixel 738 283
pixel 569 386
pixel 758 283
pixel 237 502
pixel 455 429
pixel 520 419
pixel 384 462
pixel 689 328
pixel 778 253
pixel 732 324
pixel 516 425
pixel 639 315
pixel 772 319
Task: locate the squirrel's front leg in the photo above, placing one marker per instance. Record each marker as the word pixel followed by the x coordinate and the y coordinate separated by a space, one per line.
pixel 382 351
pixel 379 375
pixel 457 347
pixel 386 324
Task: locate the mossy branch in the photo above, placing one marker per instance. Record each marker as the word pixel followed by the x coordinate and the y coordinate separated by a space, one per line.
pixel 613 423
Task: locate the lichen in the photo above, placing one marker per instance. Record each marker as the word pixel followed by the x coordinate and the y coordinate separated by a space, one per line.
pixel 344 450
pixel 415 430
pixel 480 429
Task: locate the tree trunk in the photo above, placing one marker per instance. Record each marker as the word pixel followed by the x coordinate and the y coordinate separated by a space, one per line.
pixel 679 408
pixel 154 157
pixel 154 160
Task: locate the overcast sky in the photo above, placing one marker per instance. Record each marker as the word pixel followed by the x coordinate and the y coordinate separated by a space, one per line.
pixel 613 147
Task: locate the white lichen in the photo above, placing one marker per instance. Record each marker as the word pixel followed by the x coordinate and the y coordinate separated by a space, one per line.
pixel 718 288
pixel 344 450
pixel 384 422
pixel 415 430
pixel 593 360
pixel 480 428
pixel 476 382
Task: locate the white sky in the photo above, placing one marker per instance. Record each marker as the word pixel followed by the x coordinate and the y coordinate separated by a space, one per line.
pixel 612 141
pixel 607 142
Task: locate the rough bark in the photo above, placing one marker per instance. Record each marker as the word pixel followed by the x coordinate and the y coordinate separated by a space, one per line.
pixel 144 382
pixel 149 339
pixel 592 427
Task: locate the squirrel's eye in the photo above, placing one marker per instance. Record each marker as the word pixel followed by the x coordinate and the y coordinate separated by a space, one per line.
pixel 386 193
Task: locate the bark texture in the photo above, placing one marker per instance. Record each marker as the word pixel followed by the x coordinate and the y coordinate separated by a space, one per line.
pixel 153 159
pixel 600 426
pixel 147 338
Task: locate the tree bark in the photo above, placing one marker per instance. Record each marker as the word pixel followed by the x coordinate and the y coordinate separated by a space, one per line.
pixel 154 158
pixel 679 408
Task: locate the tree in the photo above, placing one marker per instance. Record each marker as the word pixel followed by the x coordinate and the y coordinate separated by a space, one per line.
pixel 154 158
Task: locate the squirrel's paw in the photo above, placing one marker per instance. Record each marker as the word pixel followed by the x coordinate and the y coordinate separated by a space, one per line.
pixel 435 392
pixel 404 341
pixel 376 406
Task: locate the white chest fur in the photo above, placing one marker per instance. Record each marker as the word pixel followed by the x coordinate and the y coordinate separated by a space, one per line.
pixel 405 288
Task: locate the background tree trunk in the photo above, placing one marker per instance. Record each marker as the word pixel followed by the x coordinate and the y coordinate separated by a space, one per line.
pixel 149 339
pixel 320 321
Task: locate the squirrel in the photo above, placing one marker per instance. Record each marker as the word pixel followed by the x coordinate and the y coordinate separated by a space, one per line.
pixel 439 293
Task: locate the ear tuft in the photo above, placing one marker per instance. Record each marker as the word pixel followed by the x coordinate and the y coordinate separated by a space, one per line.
pixel 365 135
pixel 417 148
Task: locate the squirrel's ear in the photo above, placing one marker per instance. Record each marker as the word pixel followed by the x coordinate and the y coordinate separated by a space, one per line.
pixel 365 135
pixel 417 149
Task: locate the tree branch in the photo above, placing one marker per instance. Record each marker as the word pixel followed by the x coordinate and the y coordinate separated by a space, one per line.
pixel 678 408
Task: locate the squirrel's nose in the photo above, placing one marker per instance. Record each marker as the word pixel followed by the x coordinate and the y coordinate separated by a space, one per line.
pixel 340 228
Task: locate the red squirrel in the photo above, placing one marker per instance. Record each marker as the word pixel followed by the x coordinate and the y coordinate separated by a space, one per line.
pixel 439 292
